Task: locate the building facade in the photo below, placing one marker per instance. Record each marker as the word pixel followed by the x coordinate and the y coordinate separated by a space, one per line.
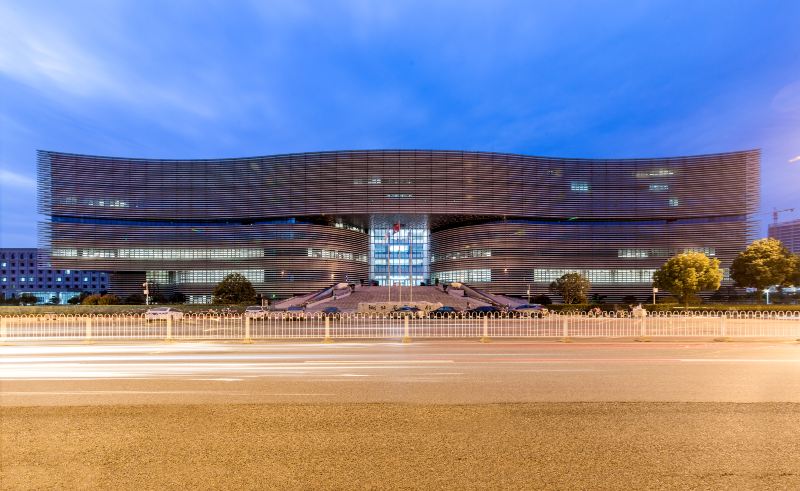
pixel 788 233
pixel 298 222
pixel 21 272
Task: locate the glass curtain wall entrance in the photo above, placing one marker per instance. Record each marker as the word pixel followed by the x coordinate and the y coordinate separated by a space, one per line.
pixel 399 257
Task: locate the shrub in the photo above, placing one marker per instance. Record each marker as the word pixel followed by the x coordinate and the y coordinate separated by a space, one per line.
pixel 135 299
pixel 27 299
pixel 91 299
pixel 108 300
pixel 177 297
pixel 542 299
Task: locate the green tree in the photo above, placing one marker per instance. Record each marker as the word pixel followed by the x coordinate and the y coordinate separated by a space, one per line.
pixel 572 287
pixel 764 263
pixel 235 288
pixel 685 275
pixel 794 276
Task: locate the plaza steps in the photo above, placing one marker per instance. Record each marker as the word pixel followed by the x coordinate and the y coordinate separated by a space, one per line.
pixel 379 294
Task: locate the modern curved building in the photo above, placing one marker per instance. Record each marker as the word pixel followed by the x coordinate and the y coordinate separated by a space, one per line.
pixel 298 222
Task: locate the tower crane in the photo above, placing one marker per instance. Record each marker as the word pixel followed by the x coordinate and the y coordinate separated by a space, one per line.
pixel 776 212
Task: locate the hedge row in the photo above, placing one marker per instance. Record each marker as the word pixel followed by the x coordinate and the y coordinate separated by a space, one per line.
pixel 678 308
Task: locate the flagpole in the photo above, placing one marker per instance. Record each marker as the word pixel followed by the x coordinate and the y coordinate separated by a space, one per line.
pixel 389 264
pixel 410 266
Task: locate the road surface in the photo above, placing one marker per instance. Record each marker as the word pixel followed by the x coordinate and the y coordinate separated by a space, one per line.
pixel 425 415
pixel 447 372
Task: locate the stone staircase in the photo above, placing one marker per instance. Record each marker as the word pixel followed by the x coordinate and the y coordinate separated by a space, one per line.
pixel 377 294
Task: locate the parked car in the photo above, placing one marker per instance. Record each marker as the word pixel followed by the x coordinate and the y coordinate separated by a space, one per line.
pixel 331 311
pixel 407 311
pixel 446 311
pixel 162 314
pixel 530 310
pixel 256 312
pixel 296 312
pixel 483 311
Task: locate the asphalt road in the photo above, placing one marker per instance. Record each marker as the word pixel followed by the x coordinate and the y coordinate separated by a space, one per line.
pixel 425 415
pixel 444 372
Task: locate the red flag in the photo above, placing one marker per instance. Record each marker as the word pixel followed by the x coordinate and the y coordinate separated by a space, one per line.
pixel 396 228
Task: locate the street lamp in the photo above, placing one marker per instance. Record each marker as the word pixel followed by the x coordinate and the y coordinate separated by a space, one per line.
pixel 655 290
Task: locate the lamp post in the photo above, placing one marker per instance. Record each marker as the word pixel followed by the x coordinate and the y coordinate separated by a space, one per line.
pixel 766 291
pixel 655 290
pixel 529 293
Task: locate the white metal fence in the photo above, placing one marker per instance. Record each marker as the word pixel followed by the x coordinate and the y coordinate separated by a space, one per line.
pixel 729 324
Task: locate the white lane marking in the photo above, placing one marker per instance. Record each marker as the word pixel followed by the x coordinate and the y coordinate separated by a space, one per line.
pixel 116 392
pixel 218 379
pixel 373 362
pixel 739 360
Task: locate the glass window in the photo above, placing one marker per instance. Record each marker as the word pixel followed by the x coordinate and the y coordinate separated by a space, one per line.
pixel 597 276
pixel 465 276
pixel 580 186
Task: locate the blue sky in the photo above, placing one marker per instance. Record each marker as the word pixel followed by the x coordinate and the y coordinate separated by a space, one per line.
pixel 233 78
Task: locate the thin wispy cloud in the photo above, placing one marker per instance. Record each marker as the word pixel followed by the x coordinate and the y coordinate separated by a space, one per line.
pixel 9 179
pixel 794 159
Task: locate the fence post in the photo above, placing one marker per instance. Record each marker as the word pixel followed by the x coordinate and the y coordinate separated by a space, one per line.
pixel 642 331
pixel 168 339
pixel 247 339
pixel 406 337
pixel 327 339
pixel 88 337
pixel 565 329
pixel 722 327
pixel 485 338
pixel 3 330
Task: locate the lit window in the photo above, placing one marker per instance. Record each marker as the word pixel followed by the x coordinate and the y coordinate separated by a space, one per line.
pixel 67 271
pixel 58 279
pixel 674 202
pixel 659 187
pixel 655 173
pixel 580 186
pixel 597 276
pixel 465 275
pixel 22 279
pixel 85 279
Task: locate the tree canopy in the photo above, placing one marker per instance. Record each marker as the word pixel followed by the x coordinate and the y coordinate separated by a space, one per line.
pixel 572 287
pixel 235 288
pixel 765 262
pixel 685 275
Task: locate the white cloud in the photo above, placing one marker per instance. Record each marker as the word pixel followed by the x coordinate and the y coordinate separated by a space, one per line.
pixel 12 179
pixel 787 100
pixel 796 159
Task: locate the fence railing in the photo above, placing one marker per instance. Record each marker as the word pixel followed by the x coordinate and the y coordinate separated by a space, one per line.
pixel 728 324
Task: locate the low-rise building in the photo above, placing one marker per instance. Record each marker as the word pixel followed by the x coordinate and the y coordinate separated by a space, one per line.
pixel 21 272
